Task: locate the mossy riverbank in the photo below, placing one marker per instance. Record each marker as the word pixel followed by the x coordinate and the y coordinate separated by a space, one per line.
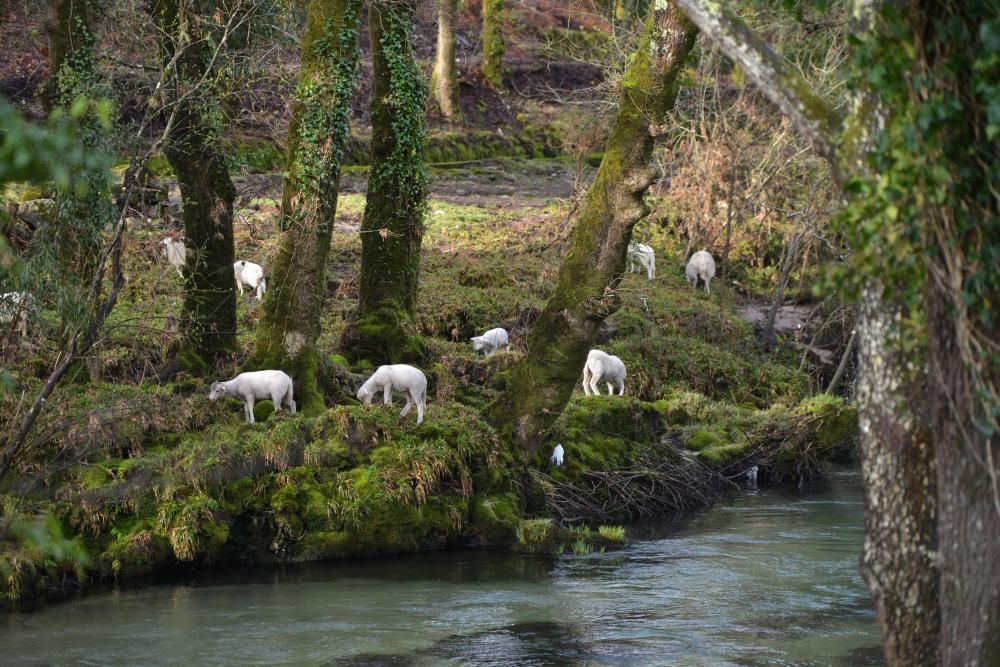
pixel 142 478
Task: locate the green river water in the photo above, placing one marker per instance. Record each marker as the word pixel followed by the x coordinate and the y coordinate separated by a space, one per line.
pixel 765 578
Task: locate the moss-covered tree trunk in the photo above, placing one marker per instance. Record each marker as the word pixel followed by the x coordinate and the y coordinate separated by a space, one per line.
pixel 193 148
pixel 444 83
pixel 318 137
pixel 493 44
pixel 540 386
pixel 70 43
pixel 393 227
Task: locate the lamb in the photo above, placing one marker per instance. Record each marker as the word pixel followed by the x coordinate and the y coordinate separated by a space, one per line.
pixel 263 385
pixel 17 308
pixel 557 455
pixel 640 254
pixel 402 378
pixel 602 366
pixel 701 265
pixel 251 275
pixel 491 341
pixel 176 254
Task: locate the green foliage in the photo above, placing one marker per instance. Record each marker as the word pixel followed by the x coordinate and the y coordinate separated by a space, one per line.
pixel 928 211
pixel 612 533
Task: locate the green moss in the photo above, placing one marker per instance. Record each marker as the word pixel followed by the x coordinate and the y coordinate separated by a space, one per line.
pixel 706 439
pixel 495 518
pixel 724 453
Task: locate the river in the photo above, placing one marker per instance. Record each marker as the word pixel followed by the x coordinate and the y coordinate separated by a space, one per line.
pixel 765 578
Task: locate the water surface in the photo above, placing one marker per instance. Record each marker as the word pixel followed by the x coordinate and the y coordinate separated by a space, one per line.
pixel 766 578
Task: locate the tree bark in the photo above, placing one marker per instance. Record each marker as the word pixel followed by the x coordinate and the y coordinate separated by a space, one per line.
pixel 70 43
pixel 493 42
pixel 392 228
pixel 444 83
pixel 208 317
pixel 898 464
pixel 318 137
pixel 540 386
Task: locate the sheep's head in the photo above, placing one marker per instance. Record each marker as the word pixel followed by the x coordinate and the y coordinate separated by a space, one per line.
pixel 478 342
pixel 365 395
pixel 218 389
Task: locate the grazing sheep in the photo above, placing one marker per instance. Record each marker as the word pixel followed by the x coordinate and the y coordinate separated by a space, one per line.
pixel 602 366
pixel 400 377
pixel 701 265
pixel 557 455
pixel 263 385
pixel 491 341
pixel 251 275
pixel 17 308
pixel 176 254
pixel 640 254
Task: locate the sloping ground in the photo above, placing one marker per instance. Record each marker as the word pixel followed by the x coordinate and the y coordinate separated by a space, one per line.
pixel 146 477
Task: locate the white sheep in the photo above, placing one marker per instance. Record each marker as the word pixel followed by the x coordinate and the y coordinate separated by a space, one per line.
pixel 262 385
pixel 641 255
pixel 557 455
pixel 400 377
pixel 491 341
pixel 175 253
pixel 251 275
pixel 17 308
pixel 700 266
pixel 602 366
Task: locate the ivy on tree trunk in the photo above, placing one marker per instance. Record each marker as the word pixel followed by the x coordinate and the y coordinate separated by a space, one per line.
pixel 392 228
pixel 193 148
pixel 318 137
pixel 539 387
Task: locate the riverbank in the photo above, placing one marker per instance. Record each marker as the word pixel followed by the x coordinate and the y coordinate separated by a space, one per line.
pixel 142 477
pixel 765 576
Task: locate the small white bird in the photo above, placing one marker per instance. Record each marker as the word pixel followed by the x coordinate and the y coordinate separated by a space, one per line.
pixel 557 455
pixel 752 477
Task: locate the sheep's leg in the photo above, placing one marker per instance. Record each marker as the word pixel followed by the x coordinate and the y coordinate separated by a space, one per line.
pixel 652 267
pixel 239 286
pixel 708 284
pixel 586 380
pixel 409 403
pixel 387 394
pixel 611 389
pixel 248 410
pixel 179 272
pixel 621 387
pixel 289 401
pixel 421 404
pixel 276 399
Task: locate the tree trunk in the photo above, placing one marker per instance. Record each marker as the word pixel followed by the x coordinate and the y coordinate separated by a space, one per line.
pixel 898 464
pixel 70 43
pixel 540 386
pixel 493 44
pixel 444 84
pixel 393 227
pixel 208 319
pixel 318 136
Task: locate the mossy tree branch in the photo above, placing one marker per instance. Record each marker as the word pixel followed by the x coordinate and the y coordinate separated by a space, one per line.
pixel 540 386
pixel 318 137
pixel 783 86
